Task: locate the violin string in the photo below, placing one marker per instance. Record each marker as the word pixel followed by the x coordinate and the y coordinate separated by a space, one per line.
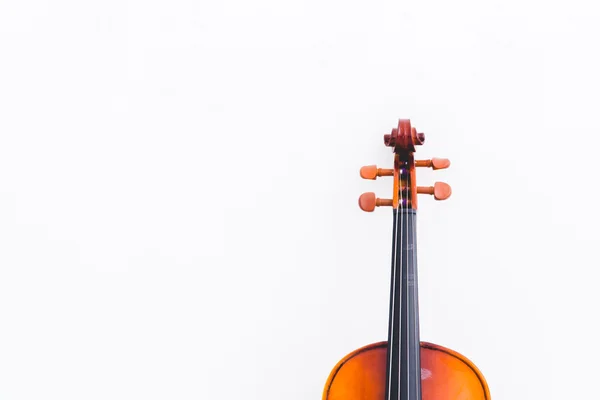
pixel 413 230
pixel 402 170
pixel 408 290
pixel 393 325
pixel 393 305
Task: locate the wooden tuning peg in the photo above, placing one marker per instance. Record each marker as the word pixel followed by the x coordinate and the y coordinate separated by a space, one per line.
pixel 434 163
pixel 372 172
pixel 367 202
pixel 439 190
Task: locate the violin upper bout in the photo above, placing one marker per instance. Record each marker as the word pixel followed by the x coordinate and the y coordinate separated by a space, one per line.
pixel 445 375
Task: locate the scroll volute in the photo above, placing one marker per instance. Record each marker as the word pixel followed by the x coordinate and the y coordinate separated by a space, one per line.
pixel 403 140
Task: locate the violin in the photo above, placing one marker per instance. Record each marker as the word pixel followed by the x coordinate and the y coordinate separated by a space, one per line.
pixel 403 367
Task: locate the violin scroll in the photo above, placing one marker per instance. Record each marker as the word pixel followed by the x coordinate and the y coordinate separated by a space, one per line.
pixel 403 140
pixel 404 137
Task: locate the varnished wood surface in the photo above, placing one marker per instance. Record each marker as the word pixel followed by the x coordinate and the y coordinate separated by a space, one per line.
pixel 445 375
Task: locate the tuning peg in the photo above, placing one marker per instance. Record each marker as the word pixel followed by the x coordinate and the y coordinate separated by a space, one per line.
pixel 372 172
pixel 434 163
pixel 367 202
pixel 439 190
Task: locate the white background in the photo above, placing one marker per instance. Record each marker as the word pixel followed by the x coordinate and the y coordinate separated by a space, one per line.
pixel 179 183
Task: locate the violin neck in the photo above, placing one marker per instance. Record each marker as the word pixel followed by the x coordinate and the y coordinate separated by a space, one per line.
pixel 403 356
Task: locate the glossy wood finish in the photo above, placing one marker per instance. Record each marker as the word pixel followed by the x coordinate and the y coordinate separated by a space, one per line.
pixel 445 375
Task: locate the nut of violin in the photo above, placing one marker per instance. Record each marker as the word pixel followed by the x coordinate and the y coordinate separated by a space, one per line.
pixel 367 201
pixel 441 191
pixel 369 172
pixel 440 163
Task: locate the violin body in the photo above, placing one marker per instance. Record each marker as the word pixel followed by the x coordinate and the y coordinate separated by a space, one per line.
pixel 445 375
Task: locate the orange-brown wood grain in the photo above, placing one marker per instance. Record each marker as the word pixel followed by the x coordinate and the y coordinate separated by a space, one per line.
pixel 413 181
pixel 397 183
pixel 445 375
